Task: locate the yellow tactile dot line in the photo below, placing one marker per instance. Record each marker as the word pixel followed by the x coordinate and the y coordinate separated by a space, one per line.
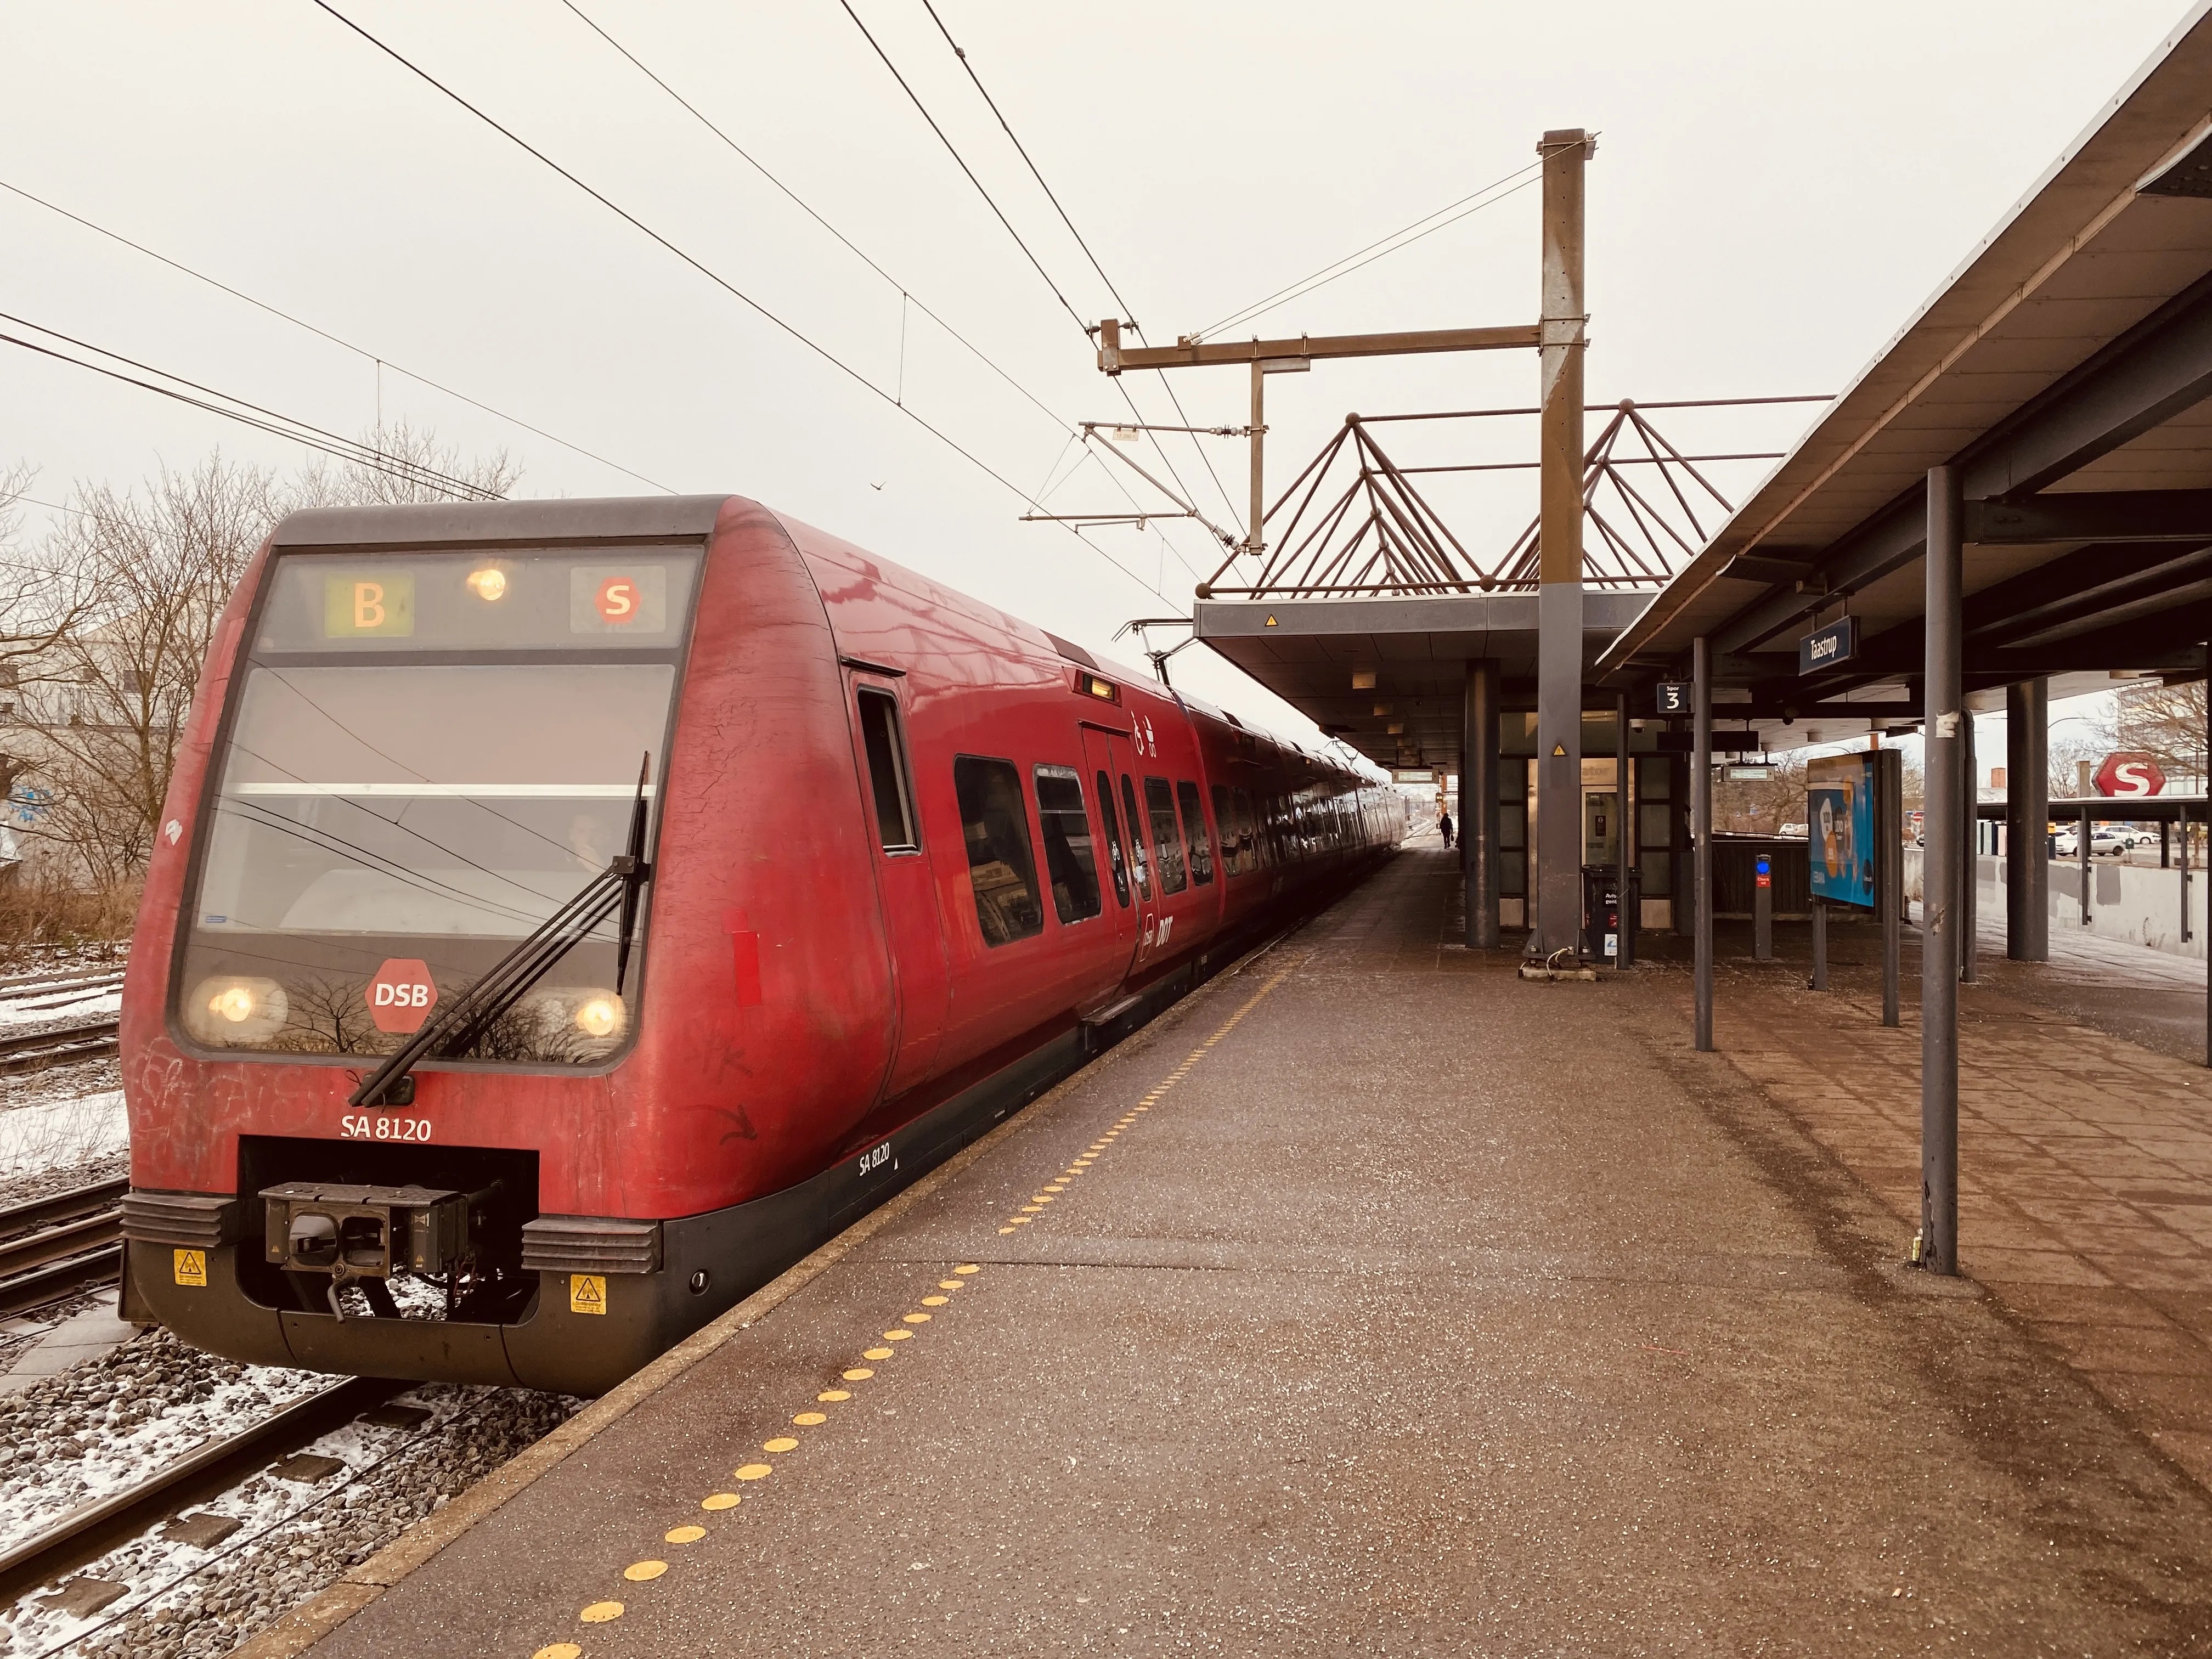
pixel 1035 1210
pixel 599 1612
pixel 603 1612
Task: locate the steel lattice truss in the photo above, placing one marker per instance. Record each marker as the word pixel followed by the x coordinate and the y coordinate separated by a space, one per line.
pixel 1378 534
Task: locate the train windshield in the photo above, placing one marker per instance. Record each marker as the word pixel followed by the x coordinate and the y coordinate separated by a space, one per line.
pixel 427 755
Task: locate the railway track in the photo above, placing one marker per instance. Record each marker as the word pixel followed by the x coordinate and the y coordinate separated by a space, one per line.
pixel 55 1246
pixel 33 1051
pixel 31 990
pixel 90 1530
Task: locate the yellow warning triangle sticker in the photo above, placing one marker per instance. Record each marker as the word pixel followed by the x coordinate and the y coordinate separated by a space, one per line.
pixel 1559 752
pixel 1270 623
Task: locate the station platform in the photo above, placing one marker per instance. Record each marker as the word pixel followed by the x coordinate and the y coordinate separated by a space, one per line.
pixel 1373 1301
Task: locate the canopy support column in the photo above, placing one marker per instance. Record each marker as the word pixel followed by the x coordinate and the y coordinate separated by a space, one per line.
pixel 1941 910
pixel 1701 835
pixel 1478 806
pixel 2027 817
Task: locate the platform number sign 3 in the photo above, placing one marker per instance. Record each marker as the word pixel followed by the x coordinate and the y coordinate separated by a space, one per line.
pixel 1673 699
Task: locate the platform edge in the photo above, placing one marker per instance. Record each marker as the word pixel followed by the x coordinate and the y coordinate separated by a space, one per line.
pixel 316 1618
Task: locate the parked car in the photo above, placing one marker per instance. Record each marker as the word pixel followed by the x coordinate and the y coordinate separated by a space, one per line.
pixel 2103 843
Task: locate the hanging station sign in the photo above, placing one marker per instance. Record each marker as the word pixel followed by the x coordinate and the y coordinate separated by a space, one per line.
pixel 1825 647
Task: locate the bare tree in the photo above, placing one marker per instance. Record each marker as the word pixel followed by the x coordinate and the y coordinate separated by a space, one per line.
pixel 131 587
pixel 1761 805
pixel 422 470
pixel 2165 722
pixel 2075 741
pixel 153 573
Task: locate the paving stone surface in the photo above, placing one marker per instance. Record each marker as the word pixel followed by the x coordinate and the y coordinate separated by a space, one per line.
pixel 2085 1156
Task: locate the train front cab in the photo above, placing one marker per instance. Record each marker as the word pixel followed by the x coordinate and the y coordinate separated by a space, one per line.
pixel 420 731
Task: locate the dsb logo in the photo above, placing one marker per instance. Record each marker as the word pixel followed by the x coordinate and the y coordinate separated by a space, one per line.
pixel 401 995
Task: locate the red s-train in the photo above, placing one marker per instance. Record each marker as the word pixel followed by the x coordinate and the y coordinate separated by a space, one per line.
pixel 567 914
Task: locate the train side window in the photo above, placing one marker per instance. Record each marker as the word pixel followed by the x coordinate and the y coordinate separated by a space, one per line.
pixel 1193 831
pixel 1001 868
pixel 1114 853
pixel 1248 838
pixel 1167 845
pixel 894 799
pixel 1135 820
pixel 1069 867
pixel 1224 824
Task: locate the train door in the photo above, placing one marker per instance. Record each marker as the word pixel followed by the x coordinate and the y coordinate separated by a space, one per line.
pixel 913 926
pixel 1126 876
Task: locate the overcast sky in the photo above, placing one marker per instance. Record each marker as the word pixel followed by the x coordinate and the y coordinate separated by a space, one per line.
pixel 1776 189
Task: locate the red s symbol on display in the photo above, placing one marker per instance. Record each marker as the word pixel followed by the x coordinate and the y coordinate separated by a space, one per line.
pixel 617 599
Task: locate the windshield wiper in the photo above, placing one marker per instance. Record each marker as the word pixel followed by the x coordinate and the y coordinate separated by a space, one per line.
pixel 458 1024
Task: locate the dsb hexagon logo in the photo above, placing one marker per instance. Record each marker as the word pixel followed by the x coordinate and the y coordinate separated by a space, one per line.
pixel 401 995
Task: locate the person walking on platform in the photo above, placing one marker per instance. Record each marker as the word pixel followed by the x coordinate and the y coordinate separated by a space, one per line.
pixel 1444 825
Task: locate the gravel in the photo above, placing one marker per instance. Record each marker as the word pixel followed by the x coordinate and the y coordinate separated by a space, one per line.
pixel 43 1183
pixel 81 1433
pixel 103 1424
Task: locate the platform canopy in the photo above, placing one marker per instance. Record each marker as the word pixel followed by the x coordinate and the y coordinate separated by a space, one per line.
pixel 2064 369
pixel 1388 676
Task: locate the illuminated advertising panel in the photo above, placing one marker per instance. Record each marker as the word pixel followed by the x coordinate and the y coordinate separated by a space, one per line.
pixel 1839 819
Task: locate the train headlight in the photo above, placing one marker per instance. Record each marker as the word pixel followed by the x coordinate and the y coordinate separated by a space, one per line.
pixel 600 1014
pixel 488 584
pixel 234 1009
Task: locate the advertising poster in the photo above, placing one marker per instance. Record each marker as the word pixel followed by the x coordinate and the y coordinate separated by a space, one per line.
pixel 1840 825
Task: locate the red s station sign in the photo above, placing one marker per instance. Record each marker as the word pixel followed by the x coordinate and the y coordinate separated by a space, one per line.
pixel 2122 775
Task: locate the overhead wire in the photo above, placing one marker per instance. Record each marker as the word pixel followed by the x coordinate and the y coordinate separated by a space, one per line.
pixel 991 202
pixel 906 295
pixel 1329 273
pixel 322 333
pixel 1120 305
pixel 804 206
pixel 246 413
pixel 953 150
pixel 718 280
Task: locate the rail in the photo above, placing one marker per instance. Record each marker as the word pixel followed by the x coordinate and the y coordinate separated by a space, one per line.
pixel 53 1246
pixel 33 1051
pixel 87 1532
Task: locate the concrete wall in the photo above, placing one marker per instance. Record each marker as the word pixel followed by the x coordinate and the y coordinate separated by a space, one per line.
pixel 2126 901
